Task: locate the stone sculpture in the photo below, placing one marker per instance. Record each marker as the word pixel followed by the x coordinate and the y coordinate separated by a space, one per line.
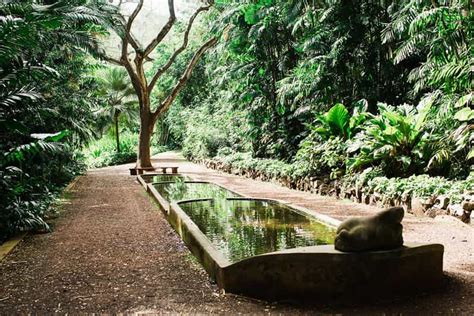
pixel 381 231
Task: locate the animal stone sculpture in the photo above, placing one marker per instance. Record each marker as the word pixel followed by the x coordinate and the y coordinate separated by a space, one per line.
pixel 381 231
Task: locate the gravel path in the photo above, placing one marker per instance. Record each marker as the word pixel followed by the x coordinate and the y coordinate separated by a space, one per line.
pixel 112 251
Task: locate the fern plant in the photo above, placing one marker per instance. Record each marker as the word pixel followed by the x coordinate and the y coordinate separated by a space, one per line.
pixel 440 34
pixel 36 99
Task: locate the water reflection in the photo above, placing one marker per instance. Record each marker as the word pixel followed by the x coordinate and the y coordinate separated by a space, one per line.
pixel 244 228
pixel 181 190
pixel 164 178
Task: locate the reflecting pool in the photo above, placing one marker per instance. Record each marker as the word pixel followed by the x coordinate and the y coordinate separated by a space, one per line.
pixel 242 228
pixel 150 178
pixel 181 190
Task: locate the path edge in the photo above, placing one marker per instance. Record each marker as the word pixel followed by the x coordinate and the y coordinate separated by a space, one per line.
pixel 11 243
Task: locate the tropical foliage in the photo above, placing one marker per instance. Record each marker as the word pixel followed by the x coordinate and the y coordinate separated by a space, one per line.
pixel 335 88
pixel 116 89
pixel 45 102
pixel 103 151
pixel 379 94
pixel 292 76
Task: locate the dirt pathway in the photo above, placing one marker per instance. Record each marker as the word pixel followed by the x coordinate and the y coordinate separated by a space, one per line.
pixel 112 251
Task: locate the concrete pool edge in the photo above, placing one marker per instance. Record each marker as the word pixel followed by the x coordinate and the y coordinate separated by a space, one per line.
pixel 310 272
pixel 318 271
pixel 323 273
pixel 144 184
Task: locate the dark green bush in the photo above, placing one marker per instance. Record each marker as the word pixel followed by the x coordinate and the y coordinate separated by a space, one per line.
pixel 44 57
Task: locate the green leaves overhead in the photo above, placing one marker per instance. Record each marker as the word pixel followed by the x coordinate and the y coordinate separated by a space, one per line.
pixel 440 36
pixel 251 11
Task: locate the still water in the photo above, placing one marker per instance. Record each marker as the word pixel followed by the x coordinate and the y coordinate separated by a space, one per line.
pixel 164 178
pixel 180 190
pixel 244 228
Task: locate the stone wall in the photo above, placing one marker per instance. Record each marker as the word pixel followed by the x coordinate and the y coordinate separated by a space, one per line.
pixel 432 207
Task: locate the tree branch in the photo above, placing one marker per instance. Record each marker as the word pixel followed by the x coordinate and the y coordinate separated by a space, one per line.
pixel 112 60
pixel 133 41
pixel 178 51
pixel 128 39
pixel 166 28
pixel 135 12
pixel 164 106
pixel 128 28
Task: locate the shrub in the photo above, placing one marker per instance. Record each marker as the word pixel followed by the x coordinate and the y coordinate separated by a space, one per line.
pixel 421 186
pixel 337 122
pixel 318 157
pixel 395 139
pixel 102 152
pixel 30 182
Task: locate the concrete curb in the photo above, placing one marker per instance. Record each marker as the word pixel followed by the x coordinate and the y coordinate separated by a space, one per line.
pixel 10 244
pixel 71 184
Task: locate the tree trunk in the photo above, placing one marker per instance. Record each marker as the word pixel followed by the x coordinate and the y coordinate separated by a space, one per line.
pixel 117 139
pixel 147 124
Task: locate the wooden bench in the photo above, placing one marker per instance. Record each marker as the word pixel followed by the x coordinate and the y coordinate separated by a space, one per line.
pixel 136 171
pixel 173 169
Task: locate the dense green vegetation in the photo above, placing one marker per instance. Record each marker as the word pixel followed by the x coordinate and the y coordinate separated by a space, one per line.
pixel 367 93
pixel 103 152
pixel 334 87
pixel 46 102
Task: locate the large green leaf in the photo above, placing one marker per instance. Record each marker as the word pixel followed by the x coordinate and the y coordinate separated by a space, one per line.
pixel 338 119
pixel 470 155
pixel 424 109
pixel 464 115
pixel 464 100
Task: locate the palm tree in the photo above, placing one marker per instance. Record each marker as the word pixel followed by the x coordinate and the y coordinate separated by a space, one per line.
pixel 120 95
